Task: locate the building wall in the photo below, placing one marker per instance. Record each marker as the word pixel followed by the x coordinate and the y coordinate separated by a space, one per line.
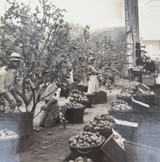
pixel 149 19
pixel 153 48
pixel 149 26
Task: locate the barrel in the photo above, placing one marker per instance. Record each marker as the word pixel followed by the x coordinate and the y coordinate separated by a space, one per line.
pixel 21 124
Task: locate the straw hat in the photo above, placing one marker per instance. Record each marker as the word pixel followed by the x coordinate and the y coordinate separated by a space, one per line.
pixel 15 57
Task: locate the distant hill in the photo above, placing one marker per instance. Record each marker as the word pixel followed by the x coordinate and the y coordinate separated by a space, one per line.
pixel 116 33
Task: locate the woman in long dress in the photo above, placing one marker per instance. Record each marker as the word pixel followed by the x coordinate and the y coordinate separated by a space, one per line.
pixel 93 84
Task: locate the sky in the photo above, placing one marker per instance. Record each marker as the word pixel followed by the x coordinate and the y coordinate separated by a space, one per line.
pixel 96 13
pixel 101 14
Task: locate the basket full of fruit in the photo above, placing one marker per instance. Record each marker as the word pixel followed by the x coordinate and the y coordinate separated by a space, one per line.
pixel 120 106
pixel 74 112
pixel 79 97
pixel 121 110
pixel 86 142
pixel 126 96
pixel 102 124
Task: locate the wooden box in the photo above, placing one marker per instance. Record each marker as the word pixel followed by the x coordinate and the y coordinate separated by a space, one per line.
pixel 113 150
pixel 148 80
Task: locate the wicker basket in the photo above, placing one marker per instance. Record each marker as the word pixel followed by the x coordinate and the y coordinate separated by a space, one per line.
pixel 95 153
pixel 75 115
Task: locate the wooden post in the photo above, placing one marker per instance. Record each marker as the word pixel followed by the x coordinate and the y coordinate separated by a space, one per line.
pixel 132 29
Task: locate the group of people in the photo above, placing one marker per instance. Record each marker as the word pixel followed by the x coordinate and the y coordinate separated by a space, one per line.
pixel 49 116
pixel 50 110
pixel 8 91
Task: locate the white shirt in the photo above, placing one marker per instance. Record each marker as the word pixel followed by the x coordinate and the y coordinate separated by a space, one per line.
pixel 2 79
pixel 9 79
pixel 49 90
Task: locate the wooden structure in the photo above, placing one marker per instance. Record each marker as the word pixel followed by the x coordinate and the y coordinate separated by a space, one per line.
pixel 132 30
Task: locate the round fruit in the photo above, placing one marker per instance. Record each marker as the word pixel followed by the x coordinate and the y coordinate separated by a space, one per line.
pixel 98 141
pixel 93 144
pixel 89 160
pixel 71 140
pixel 79 159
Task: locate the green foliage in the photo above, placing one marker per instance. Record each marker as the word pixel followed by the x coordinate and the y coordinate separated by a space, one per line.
pixel 42 38
pixel 48 45
pixel 109 51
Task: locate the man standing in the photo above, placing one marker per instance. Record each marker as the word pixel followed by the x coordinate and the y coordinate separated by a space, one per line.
pixel 7 80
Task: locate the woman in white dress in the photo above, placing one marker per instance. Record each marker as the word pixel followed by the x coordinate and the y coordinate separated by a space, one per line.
pixel 93 84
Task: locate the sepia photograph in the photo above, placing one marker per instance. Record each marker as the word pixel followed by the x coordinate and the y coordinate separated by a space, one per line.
pixel 79 80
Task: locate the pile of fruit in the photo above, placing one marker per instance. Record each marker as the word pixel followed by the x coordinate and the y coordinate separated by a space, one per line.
pixel 86 140
pixel 81 159
pixel 5 134
pixel 124 95
pixel 120 105
pixel 78 96
pixel 128 89
pixel 73 105
pixel 104 117
pixel 101 123
pixel 118 102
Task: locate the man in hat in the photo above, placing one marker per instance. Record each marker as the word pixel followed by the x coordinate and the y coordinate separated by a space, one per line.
pixel 7 79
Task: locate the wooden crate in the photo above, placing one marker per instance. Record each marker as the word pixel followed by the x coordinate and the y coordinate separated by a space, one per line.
pixel 106 159
pixel 143 87
pixel 112 150
pixel 126 131
pixel 148 80
pixel 141 153
pixel 139 106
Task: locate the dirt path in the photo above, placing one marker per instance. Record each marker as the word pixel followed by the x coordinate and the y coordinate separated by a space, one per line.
pixel 51 144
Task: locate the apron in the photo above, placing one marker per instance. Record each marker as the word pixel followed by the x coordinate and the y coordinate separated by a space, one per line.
pixel 93 84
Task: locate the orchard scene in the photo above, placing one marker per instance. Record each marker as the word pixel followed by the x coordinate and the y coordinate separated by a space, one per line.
pixel 64 86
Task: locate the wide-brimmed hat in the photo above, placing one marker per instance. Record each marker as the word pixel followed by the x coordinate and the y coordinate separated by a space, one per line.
pixel 15 57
